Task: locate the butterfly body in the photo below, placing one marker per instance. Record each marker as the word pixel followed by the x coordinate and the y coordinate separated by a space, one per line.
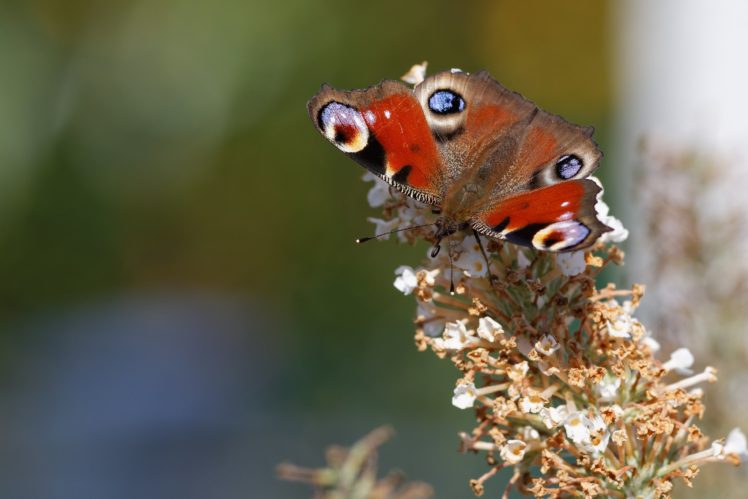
pixel 483 156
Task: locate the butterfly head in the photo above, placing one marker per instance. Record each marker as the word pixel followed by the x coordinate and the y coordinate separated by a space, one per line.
pixel 445 227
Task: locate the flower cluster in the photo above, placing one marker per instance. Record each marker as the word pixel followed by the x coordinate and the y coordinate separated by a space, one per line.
pixel 564 381
pixel 352 473
pixel 568 388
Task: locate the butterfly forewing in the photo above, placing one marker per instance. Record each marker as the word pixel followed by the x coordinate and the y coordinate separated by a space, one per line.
pixel 383 128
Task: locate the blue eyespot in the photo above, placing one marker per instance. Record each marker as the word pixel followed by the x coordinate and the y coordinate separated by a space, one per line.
pixel 568 166
pixel 446 102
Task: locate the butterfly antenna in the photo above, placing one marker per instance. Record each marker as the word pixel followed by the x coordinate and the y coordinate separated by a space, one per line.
pixel 362 240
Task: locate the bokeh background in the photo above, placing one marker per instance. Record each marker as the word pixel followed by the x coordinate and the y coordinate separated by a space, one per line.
pixel 182 303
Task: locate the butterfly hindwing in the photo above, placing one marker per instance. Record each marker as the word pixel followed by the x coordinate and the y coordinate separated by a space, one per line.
pixel 384 129
pixel 558 217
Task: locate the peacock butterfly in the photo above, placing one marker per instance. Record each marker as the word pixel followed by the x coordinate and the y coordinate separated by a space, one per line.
pixel 485 157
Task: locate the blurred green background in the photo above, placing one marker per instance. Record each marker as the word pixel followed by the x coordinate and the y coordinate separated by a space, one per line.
pixel 182 302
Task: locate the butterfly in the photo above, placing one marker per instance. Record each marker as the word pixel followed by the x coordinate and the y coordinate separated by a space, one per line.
pixel 483 156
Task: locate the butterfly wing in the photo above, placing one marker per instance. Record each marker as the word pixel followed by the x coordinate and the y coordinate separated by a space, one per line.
pixel 469 115
pixel 383 128
pixel 515 172
pixel 557 217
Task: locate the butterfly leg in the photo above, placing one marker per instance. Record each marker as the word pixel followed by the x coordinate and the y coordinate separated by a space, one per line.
pixel 492 278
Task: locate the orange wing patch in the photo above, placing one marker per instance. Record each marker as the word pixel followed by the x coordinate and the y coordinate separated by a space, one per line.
pixel 555 203
pixel 538 149
pixel 490 118
pixel 399 126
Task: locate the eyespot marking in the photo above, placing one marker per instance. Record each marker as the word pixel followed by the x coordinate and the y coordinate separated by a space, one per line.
pixel 568 166
pixel 560 235
pixel 446 102
pixel 344 126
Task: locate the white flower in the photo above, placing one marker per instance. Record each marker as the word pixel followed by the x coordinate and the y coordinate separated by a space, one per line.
pixel 617 410
pixel 577 427
pixel 456 337
pixel 548 369
pixel 608 388
pixel 518 371
pixel 628 307
pixel 406 280
pixel 530 434
pixel 590 434
pixel 432 326
pixel 513 451
pixel 522 261
pixel 681 361
pixel 619 232
pixel 464 395
pixel 441 261
pixel 736 444
pixel 620 327
pixel 532 403
pixel 430 277
pixel 708 375
pixel 553 416
pixel 488 329
pixel 384 226
pixel 512 392
pixel 471 259
pixel 547 345
pixel 572 263
pixel 596 424
pixel 409 216
pixel 599 435
pixel 416 74
pixel 379 192
pixel 651 343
